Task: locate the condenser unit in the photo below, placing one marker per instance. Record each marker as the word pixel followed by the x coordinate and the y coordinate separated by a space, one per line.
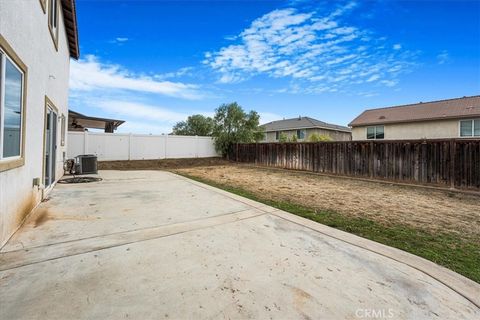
pixel 86 164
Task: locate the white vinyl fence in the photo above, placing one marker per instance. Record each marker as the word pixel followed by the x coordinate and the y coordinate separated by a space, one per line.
pixel 119 146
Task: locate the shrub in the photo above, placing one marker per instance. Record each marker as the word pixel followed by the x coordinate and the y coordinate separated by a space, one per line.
pixel 282 137
pixel 315 137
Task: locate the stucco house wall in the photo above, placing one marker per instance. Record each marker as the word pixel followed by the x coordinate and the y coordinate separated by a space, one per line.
pixel 334 135
pixel 438 129
pixel 24 26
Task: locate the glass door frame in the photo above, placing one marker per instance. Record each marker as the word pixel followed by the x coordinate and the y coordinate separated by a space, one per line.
pixel 50 143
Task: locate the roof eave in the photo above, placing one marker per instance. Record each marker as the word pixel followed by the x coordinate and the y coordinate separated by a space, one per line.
pixel 310 127
pixel 70 22
pixel 415 120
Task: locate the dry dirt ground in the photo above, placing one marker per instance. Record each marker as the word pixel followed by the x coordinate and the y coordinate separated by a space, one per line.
pixel 160 164
pixel 432 210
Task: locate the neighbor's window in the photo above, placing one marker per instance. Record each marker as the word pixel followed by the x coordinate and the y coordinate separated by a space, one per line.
pixel 53 18
pixel 301 134
pixel 11 93
pixel 277 135
pixel 470 128
pixel 376 132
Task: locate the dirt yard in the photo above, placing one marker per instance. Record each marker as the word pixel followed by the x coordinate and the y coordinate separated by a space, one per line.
pixel 432 210
pixel 160 164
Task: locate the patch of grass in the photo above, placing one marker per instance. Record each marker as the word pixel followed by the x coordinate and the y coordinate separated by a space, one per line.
pixel 450 250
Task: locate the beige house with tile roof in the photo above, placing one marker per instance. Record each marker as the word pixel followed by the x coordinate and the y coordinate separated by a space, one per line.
pixel 443 119
pixel 302 128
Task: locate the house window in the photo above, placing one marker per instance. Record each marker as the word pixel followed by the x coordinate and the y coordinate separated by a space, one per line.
pixel 301 134
pixel 470 128
pixel 11 108
pixel 277 135
pixel 53 20
pixel 376 132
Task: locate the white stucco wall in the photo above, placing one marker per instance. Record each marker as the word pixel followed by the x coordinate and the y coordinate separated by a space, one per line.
pixel 440 129
pixel 24 25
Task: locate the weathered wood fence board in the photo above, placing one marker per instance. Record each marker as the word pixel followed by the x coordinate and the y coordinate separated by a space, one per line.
pixel 452 162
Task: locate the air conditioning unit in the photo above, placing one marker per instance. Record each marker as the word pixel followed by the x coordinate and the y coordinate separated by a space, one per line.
pixel 86 164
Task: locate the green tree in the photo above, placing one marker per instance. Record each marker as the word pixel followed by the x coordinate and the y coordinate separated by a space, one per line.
pixel 195 125
pixel 233 125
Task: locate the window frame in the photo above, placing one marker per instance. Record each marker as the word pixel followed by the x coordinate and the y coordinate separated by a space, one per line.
pixel 63 131
pixel 53 29
pixel 277 135
pixel 375 132
pixel 300 131
pixel 8 52
pixel 43 4
pixel 472 121
pixel 48 105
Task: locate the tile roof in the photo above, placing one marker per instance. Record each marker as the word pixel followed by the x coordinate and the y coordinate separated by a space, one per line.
pixel 302 123
pixel 465 107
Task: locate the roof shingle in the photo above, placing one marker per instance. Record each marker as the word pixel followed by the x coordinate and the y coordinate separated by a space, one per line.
pixel 302 123
pixel 465 107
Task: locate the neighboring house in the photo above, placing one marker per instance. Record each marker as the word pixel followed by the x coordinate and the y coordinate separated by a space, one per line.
pixel 452 118
pixel 80 122
pixel 37 39
pixel 302 128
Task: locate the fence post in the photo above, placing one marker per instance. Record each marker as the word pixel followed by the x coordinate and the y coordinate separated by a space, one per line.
pixel 85 142
pixel 130 146
pixel 452 163
pixel 371 165
pixel 196 146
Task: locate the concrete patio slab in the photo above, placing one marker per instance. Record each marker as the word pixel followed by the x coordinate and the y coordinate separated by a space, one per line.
pixel 186 250
pixel 123 201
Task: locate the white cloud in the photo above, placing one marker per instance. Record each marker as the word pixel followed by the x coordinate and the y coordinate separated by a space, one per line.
pixel 119 40
pixel 310 47
pixel 139 110
pixel 343 9
pixel 140 117
pixel 90 74
pixel 368 94
pixel 185 71
pixel 389 83
pixel 112 91
pixel 443 57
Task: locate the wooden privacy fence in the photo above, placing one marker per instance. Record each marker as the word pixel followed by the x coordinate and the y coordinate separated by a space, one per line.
pixel 454 163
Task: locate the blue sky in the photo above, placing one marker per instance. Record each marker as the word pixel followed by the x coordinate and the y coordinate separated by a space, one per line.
pixel 153 63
